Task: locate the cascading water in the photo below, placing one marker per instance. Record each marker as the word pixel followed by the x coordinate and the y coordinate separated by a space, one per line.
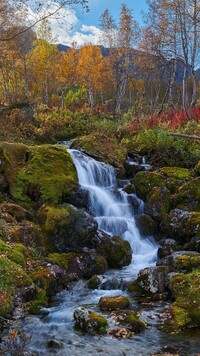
pixel 111 207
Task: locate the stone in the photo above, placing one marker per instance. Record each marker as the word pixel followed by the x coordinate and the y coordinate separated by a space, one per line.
pixel 89 321
pixel 114 303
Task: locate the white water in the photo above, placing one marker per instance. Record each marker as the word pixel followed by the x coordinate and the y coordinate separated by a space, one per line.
pixel 111 207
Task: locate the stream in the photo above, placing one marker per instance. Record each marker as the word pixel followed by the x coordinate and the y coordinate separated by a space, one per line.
pixel 114 211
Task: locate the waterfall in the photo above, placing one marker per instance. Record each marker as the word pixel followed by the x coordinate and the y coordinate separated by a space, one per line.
pixel 111 206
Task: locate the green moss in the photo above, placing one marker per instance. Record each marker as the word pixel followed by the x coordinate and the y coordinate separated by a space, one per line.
pixel 61 259
pixel 112 303
pixel 3 230
pixel 185 289
pixel 176 173
pixel 42 277
pixel 98 320
pixel 197 169
pixel 12 254
pixel 11 277
pixel 40 173
pixel 187 263
pixel 177 320
pixel 188 195
pixel 158 203
pixel 53 216
pixel 145 181
pixel 41 300
pixel 133 322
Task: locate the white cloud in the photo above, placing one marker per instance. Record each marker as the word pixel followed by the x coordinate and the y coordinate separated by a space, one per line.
pixel 62 23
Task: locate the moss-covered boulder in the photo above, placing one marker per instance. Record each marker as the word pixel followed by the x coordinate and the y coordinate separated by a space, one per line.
pixel 151 283
pixel 116 251
pixel 103 148
pixel 181 225
pixel 185 311
pixel 12 277
pixel 87 264
pixel 114 303
pixel 144 182
pixel 158 204
pixel 188 196
pixel 130 319
pixel 181 261
pixel 37 174
pixel 68 228
pixel 175 177
pixel 146 225
pixel 89 321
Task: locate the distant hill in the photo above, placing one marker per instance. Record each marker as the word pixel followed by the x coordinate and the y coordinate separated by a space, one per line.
pixel 62 48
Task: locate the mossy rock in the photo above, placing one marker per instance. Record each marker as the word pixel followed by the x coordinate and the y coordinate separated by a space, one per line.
pixel 114 303
pixel 144 182
pixel 188 196
pixel 187 263
pixel 103 148
pixel 158 204
pixel 117 252
pixel 41 299
pixel 130 319
pixel 94 282
pixel 175 177
pixel 12 277
pixel 89 321
pixel 181 225
pixel 61 259
pixel 87 264
pixel 185 311
pixel 68 228
pixel 176 173
pixel 50 278
pixel 38 174
pixel 146 225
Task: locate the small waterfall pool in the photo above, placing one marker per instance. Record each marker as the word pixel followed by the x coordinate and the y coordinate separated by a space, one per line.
pixel 110 205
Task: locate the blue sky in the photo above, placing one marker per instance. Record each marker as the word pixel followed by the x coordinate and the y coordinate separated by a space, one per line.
pixel 98 6
pixel 74 25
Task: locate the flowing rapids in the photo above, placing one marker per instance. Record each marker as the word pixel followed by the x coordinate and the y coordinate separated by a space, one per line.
pixel 112 207
pixel 114 211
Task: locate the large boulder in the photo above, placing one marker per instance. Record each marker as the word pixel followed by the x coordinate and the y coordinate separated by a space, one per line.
pixel 117 252
pixel 37 174
pixel 152 280
pixel 114 303
pixel 181 225
pixel 158 203
pixel 188 195
pixel 144 182
pixel 185 311
pixel 175 177
pixel 68 228
pixel 87 264
pixel 181 261
pixel 89 321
